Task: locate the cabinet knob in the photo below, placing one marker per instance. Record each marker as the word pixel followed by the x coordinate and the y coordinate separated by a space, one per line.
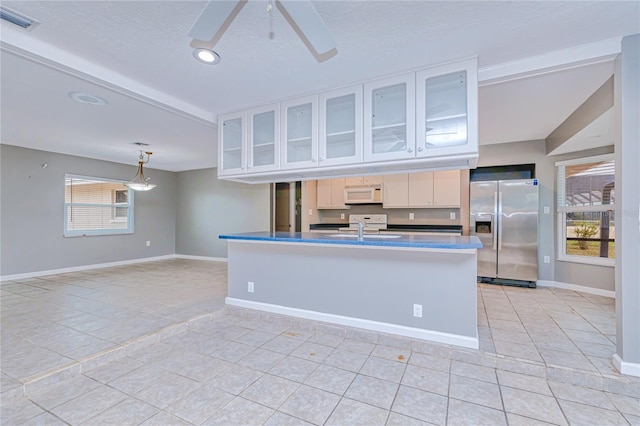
pixel 409 149
pixel 419 148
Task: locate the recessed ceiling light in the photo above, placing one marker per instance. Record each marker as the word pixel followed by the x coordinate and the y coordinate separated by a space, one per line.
pixel 87 98
pixel 206 56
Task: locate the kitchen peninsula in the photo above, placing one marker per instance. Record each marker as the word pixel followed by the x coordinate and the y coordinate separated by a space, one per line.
pixel 416 286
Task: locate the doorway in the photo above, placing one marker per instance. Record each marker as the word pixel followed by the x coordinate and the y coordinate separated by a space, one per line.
pixel 287 201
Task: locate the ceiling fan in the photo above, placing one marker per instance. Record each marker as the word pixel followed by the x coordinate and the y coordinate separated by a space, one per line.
pixel 217 15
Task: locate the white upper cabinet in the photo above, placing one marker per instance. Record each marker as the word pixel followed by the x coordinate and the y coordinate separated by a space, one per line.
pixel 264 136
pixel 299 145
pixel 232 139
pixel 340 126
pixel 446 109
pixel 389 118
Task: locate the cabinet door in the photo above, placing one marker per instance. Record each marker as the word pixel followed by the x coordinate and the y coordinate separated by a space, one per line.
pixel 447 109
pixel 352 181
pixel 330 194
pixel 446 188
pixel 232 134
pixel 264 135
pixel 323 190
pixel 372 180
pixel 299 133
pixel 340 126
pixel 337 192
pixel 389 118
pixel 421 189
pixel 395 191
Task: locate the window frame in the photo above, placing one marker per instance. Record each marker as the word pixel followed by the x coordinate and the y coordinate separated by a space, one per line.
pixel 129 219
pixel 562 211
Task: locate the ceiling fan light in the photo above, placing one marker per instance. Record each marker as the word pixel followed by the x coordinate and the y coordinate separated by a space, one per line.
pixel 206 56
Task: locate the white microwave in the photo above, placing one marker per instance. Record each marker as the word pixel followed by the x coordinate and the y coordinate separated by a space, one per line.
pixel 363 195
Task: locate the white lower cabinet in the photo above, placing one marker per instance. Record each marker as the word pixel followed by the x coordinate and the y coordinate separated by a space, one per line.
pixel 422 190
pixel 330 194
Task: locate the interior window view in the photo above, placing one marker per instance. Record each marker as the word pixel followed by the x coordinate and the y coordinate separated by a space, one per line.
pixel 308 212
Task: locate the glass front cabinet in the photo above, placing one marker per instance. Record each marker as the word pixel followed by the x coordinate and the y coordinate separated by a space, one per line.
pixel 340 126
pixel 263 139
pixel 447 109
pixel 232 139
pixel 389 118
pixel 299 133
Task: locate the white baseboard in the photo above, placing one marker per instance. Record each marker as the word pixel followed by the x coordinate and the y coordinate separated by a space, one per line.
pixel 381 327
pixel 207 258
pixel 575 287
pixel 628 368
pixel 105 265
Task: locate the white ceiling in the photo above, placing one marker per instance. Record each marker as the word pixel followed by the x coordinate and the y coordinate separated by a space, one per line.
pixel 137 56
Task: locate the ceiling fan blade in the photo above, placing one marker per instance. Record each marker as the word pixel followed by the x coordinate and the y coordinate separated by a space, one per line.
pixel 309 26
pixel 213 21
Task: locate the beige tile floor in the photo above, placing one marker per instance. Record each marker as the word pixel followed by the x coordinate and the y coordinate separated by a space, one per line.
pixel 545 358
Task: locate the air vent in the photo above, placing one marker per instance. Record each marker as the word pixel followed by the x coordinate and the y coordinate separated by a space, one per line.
pixel 17 19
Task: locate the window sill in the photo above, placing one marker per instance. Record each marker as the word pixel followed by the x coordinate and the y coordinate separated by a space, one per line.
pixel 595 261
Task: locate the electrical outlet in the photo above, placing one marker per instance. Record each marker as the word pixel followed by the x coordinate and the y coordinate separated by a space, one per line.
pixel 411 216
pixel 452 215
pixel 547 259
pixel 250 286
pixel 310 212
pixel 148 243
pixel 341 215
pixel 417 311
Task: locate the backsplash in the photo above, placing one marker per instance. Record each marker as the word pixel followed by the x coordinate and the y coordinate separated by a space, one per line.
pixel 430 216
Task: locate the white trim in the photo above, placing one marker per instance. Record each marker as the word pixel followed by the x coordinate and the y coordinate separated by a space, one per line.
pixel 583 160
pixel 207 258
pixel 573 57
pixel 381 327
pixel 628 368
pixel 586 260
pixel 40 52
pixel 83 268
pixel 575 287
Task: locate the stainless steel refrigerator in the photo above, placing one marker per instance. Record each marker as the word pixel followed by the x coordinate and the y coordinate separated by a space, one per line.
pixel 504 215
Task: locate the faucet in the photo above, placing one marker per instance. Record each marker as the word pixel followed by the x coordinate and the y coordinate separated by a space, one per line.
pixel 360 231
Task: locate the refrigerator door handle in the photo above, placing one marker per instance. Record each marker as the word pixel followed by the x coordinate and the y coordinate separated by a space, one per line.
pixel 495 218
pixel 500 220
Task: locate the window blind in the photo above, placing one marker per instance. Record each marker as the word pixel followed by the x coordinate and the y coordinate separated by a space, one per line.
pixel 96 206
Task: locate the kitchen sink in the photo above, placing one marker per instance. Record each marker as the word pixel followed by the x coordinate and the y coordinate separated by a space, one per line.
pixel 372 236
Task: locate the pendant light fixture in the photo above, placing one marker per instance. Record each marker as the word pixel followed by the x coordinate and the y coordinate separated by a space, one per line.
pixel 139 182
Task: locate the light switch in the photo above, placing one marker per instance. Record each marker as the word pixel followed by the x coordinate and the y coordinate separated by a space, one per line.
pixel 310 212
pixel 546 210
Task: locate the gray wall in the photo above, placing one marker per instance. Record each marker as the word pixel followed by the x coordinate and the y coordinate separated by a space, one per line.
pixel 208 207
pixel 600 277
pixel 32 211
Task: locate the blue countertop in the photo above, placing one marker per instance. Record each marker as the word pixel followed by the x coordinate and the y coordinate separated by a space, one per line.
pixel 415 241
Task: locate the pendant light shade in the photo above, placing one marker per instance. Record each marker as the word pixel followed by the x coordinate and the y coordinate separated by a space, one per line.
pixel 139 182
